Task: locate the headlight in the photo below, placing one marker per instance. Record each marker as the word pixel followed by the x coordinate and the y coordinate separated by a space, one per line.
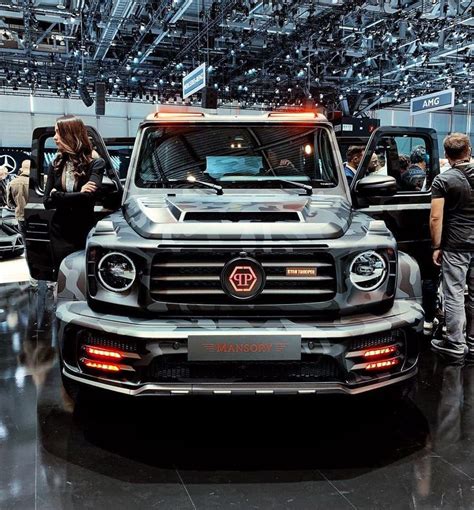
pixel 116 271
pixel 368 270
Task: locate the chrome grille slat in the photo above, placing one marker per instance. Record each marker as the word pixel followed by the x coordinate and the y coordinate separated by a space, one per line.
pixel 183 276
pixel 284 278
pixel 296 264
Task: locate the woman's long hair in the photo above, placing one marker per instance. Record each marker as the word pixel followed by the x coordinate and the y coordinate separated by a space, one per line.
pixel 77 147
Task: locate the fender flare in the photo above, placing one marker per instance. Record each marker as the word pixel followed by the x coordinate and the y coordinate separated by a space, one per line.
pixel 72 283
pixel 408 278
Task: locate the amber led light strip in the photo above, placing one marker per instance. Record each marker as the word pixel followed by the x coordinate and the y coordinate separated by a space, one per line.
pixel 381 351
pixel 102 353
pixel 109 367
pixel 376 365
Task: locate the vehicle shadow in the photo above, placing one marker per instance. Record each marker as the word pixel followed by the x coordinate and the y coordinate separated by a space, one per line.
pixel 247 436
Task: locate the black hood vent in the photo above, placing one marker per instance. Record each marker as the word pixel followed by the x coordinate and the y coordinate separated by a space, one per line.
pixel 235 217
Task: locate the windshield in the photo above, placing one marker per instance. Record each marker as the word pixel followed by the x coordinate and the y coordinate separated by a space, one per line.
pixel 236 156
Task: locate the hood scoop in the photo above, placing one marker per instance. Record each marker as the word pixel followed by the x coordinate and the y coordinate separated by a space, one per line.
pixel 275 216
pixel 232 211
pixel 268 217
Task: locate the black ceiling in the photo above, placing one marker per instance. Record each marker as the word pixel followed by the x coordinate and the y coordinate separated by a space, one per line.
pixel 352 55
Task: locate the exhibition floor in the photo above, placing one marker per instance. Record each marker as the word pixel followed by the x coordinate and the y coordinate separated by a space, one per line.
pixel 206 453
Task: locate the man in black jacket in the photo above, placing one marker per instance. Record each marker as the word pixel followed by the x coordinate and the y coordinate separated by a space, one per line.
pixel 452 236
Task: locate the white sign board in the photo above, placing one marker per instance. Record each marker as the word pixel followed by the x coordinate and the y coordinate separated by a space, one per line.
pixel 194 81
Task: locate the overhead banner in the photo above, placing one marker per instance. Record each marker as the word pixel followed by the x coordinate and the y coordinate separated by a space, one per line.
pixel 194 81
pixel 432 102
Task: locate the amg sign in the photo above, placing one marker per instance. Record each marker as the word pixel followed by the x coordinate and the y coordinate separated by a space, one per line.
pixel 432 102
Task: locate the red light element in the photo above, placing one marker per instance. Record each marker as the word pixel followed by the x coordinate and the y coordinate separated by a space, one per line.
pixel 108 367
pixel 102 353
pixel 243 278
pixel 381 351
pixel 377 365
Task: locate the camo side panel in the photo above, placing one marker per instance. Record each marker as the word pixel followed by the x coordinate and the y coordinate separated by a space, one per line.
pixel 409 278
pixel 72 278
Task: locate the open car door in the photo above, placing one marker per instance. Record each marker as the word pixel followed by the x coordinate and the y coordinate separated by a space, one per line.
pixel 43 150
pixel 409 155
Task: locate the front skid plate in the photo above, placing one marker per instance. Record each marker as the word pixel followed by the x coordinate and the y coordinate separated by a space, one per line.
pixel 243 389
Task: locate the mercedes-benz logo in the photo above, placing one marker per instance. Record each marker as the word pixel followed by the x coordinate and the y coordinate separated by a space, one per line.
pixel 8 162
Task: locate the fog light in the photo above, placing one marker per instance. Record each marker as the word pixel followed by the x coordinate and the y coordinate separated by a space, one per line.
pixel 102 353
pixel 381 351
pixel 378 365
pixel 107 367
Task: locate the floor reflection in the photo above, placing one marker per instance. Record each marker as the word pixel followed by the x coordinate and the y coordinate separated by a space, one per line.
pixel 220 452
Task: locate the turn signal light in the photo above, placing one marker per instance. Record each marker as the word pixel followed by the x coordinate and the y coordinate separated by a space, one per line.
pixel 381 351
pixel 102 353
pixel 108 367
pixel 378 365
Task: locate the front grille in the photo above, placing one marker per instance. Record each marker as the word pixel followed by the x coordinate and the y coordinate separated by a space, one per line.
pixel 366 342
pixel 184 277
pixel 99 340
pixel 175 368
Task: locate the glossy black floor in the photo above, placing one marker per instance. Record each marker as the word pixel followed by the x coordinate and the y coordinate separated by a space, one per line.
pixel 181 453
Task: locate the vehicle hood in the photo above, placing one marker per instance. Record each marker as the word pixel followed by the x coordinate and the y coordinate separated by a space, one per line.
pixel 255 217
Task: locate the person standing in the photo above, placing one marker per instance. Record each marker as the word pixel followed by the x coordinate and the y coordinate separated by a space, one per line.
pixel 452 236
pixel 17 198
pixel 17 194
pixel 74 178
pixel 354 156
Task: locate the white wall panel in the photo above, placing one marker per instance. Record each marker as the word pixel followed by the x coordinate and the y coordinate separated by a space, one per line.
pixel 15 130
pixel 112 126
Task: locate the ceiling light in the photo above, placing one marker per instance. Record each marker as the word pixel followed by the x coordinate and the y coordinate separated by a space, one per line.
pixel 60 5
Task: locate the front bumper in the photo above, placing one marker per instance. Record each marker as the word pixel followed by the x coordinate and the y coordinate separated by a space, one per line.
pixel 327 346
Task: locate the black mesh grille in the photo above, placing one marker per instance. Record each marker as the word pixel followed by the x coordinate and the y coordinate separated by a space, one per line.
pixel 179 276
pixel 365 342
pixel 175 368
pixel 101 341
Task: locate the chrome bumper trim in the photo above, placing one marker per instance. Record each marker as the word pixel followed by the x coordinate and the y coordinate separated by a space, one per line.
pixel 242 388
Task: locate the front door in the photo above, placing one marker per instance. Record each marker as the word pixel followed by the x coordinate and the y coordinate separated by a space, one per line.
pixel 410 155
pixel 38 246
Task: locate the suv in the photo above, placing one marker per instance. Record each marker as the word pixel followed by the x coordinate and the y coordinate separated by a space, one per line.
pixel 239 262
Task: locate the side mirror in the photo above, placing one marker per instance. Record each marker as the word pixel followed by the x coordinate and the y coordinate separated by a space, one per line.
pixel 376 186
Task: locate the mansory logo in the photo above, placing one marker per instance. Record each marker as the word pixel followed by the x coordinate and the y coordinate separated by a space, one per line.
pixel 250 347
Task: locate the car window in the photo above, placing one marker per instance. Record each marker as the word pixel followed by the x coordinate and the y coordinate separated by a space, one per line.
pixel 236 156
pixel 406 158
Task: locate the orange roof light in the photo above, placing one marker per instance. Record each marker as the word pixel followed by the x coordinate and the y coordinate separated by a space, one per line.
pixel 177 115
pixel 295 115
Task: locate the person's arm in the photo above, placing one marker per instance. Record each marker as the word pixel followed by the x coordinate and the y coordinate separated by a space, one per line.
pixel 436 228
pixel 10 198
pixel 83 198
pixel 49 200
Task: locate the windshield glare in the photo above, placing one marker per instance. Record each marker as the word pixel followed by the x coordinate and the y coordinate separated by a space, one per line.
pixel 236 156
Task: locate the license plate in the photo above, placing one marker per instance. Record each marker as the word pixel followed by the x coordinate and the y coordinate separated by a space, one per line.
pixel 244 348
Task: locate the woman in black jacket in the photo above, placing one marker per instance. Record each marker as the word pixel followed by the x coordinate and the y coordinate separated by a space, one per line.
pixel 74 178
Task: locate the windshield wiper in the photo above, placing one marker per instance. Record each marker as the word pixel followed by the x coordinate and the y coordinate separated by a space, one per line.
pixel 306 187
pixel 194 182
